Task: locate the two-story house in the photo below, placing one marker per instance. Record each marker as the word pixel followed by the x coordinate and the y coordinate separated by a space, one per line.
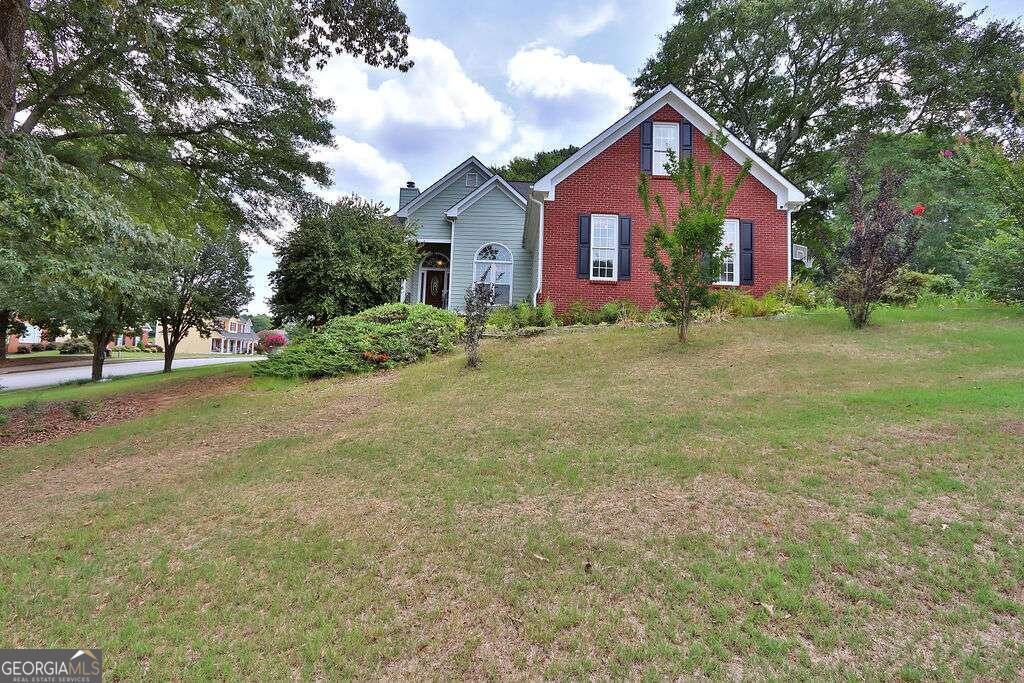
pixel 578 232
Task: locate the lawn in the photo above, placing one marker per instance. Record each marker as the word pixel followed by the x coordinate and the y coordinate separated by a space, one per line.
pixel 780 498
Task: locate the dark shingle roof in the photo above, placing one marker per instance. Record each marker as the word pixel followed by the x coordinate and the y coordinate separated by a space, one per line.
pixel 521 187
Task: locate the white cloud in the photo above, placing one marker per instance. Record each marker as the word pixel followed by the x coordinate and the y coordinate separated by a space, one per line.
pixel 361 168
pixel 590 20
pixel 435 94
pixel 548 73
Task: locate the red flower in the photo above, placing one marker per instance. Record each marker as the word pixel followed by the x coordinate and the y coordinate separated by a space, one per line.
pixel 918 210
pixel 948 153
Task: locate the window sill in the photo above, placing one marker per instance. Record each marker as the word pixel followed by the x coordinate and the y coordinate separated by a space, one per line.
pixel 604 280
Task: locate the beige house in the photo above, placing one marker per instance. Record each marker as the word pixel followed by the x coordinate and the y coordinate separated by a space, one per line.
pixel 229 335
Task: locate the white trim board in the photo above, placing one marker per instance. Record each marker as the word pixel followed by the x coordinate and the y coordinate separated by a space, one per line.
pixel 472 198
pixel 789 195
pixel 432 191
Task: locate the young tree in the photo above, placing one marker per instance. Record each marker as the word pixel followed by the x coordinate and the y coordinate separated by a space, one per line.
pixel 881 242
pixel 686 255
pixel 479 300
pixel 340 259
pixel 208 279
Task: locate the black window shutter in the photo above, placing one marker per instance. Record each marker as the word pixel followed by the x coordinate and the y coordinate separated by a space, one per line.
pixel 685 139
pixel 746 252
pixel 625 246
pixel 583 251
pixel 646 146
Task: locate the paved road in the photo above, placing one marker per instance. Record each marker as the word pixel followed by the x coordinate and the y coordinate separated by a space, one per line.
pixel 45 378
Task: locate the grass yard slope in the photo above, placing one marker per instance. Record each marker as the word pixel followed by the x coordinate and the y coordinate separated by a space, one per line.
pixel 780 498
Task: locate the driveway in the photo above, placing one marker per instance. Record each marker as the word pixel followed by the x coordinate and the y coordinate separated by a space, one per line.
pixel 45 378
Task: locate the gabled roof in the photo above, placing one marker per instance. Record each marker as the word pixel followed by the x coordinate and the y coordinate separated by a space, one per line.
pixel 789 195
pixel 472 163
pixel 481 191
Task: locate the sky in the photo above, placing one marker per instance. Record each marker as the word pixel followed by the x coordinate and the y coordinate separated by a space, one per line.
pixel 495 79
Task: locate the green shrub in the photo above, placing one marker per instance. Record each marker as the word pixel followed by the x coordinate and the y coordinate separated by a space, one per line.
pixel 75 345
pixel 800 292
pixel 617 311
pixel 579 313
pixel 78 409
pixel 740 304
pixel 381 337
pixel 522 315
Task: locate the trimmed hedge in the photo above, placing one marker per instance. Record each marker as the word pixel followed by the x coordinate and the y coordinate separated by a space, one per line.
pixel 381 337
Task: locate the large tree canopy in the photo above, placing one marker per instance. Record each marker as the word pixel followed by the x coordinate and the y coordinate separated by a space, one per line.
pixel 198 108
pixel 340 259
pixel 529 169
pixel 793 78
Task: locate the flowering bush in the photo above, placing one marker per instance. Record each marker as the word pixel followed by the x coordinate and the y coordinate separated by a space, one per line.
pixel 381 337
pixel 274 340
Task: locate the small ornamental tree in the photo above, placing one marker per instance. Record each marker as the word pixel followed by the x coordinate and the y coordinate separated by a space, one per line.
pixel 479 299
pixel 881 242
pixel 686 255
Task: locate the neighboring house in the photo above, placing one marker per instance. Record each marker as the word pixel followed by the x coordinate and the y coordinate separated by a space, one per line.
pixel 578 232
pixel 229 335
pixel 32 335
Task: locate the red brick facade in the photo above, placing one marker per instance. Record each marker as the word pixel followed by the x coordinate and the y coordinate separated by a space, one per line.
pixel 607 184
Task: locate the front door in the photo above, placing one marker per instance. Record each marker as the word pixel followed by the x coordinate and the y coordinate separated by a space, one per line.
pixel 433 292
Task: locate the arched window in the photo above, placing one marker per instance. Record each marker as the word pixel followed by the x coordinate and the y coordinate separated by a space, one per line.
pixel 493 265
pixel 434 261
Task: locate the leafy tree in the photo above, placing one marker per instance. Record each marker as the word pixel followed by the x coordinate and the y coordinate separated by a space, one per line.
pixel 479 301
pixel 340 259
pixel 72 257
pixel 686 255
pixel 881 242
pixel 208 280
pixel 193 111
pixel 260 322
pixel 794 79
pixel 529 169
pixel 999 259
pixel 960 203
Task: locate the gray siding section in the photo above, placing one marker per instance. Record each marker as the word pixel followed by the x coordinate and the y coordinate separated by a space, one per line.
pixel 430 217
pixel 495 217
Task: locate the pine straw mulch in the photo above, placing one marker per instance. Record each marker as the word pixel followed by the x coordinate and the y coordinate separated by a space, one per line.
pixel 35 423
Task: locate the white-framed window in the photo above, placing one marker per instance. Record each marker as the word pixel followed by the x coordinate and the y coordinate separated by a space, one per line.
pixel 604 246
pixel 730 260
pixel 472 180
pixel 493 265
pixel 666 137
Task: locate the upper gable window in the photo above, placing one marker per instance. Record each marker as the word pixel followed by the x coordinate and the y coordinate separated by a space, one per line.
pixel 666 137
pixel 472 180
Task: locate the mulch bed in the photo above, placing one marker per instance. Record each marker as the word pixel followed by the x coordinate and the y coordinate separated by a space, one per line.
pixel 39 423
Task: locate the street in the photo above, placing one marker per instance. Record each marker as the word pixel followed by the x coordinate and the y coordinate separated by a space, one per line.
pixel 44 378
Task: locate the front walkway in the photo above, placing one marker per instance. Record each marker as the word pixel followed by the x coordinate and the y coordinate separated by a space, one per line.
pixel 44 378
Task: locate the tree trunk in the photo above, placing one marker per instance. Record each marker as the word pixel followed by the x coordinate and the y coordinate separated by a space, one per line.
pixel 99 354
pixel 13 26
pixel 169 349
pixel 5 324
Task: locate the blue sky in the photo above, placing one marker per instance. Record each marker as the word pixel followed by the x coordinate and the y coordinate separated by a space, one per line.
pixel 494 79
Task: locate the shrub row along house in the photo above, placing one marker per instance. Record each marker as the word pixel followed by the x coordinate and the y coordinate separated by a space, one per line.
pixel 577 233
